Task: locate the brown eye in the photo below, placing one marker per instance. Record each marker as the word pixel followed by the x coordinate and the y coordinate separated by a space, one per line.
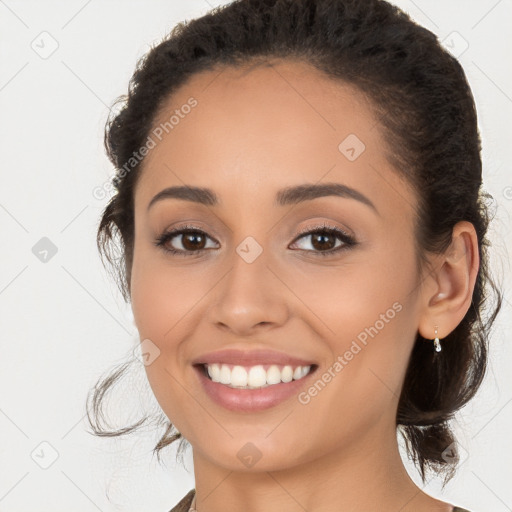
pixel 323 240
pixel 192 240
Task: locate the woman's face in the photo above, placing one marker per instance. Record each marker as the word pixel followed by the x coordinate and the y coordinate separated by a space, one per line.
pixel 259 284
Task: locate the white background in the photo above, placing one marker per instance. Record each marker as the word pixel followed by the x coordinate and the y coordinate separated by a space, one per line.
pixel 64 322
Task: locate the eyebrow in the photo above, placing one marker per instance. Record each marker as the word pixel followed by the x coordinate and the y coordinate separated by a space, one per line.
pixel 284 197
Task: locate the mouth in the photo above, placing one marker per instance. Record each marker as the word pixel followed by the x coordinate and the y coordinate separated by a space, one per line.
pixel 253 377
pixel 251 381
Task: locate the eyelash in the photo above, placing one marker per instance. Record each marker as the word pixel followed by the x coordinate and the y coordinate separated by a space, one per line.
pixel 348 240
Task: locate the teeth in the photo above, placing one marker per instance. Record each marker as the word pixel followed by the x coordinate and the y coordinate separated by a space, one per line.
pixel 256 377
pixel 273 375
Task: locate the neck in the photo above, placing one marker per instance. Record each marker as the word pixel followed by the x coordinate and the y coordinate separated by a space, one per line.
pixel 368 474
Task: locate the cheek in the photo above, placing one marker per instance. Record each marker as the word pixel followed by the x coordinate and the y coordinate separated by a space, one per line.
pixel 353 296
pixel 165 300
pixel 163 308
pixel 370 312
pixel 162 296
pixel 372 350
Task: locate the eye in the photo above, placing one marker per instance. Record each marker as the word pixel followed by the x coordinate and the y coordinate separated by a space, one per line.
pixel 193 240
pixel 322 239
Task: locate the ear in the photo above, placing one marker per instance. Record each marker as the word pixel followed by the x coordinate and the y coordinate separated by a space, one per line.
pixel 448 287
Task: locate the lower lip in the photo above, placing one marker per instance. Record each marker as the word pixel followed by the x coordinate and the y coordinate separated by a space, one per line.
pixel 250 400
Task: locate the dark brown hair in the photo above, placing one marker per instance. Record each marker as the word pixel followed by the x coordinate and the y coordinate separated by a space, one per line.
pixel 428 117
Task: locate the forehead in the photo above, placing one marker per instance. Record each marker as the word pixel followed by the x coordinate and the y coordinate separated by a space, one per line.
pixel 265 127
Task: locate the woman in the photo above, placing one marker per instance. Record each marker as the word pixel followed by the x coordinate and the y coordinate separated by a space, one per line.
pixel 302 227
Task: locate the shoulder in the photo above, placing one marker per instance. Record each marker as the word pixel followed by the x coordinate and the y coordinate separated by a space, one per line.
pixel 184 504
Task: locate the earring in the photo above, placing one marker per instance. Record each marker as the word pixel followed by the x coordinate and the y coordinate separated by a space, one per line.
pixel 437 345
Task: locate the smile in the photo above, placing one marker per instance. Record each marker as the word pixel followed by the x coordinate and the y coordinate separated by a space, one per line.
pixel 252 388
pixel 254 377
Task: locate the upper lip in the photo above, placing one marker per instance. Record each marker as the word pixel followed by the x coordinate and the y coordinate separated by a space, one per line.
pixel 250 358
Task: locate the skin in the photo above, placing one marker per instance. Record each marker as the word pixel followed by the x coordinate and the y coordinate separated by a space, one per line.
pixel 253 132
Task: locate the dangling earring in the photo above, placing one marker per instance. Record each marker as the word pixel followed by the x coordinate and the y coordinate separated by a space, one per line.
pixel 437 345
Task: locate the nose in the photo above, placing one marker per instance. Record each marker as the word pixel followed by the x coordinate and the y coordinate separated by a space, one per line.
pixel 249 297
